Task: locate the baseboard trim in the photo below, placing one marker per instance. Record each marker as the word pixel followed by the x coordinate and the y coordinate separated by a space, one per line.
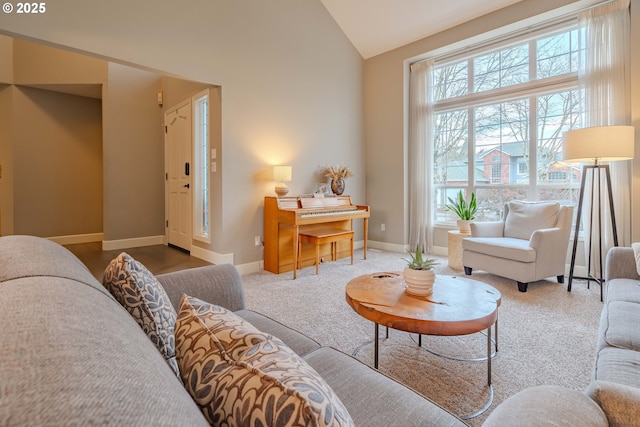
pixel 77 238
pixel 250 267
pixel 136 242
pixel 210 256
pixel 383 246
pixel 440 250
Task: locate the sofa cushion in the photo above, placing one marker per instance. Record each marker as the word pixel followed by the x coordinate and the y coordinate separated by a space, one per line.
pixel 622 290
pixel 636 254
pixel 525 218
pixel 501 247
pixel 138 291
pixel 376 399
pixel 618 365
pixel 241 376
pixel 619 323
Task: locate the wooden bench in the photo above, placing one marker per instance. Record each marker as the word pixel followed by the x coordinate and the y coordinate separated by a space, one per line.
pixel 319 237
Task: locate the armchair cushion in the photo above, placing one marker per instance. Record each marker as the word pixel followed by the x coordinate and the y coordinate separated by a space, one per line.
pixel 487 229
pixel 504 247
pixel 522 219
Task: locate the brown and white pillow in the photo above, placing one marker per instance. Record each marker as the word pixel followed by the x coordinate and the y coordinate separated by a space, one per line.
pixel 241 376
pixel 142 295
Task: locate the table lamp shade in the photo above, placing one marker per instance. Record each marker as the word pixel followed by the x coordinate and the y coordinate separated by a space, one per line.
pixel 282 173
pixel 600 143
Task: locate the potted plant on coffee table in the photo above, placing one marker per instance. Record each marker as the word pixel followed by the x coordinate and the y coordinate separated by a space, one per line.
pixel 466 211
pixel 418 274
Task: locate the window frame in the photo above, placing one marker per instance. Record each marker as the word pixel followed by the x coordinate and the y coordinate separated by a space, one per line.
pixel 201 166
pixel 532 90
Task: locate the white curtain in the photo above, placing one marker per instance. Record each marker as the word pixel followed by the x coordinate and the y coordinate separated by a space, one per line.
pixel 606 80
pixel 420 156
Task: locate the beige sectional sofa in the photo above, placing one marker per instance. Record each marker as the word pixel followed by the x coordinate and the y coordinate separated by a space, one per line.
pixel 71 355
pixel 616 374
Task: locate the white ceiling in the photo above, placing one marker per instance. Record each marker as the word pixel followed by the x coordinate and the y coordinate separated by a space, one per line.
pixel 377 26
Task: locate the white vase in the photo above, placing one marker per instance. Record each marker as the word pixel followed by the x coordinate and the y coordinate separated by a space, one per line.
pixel 419 282
pixel 464 226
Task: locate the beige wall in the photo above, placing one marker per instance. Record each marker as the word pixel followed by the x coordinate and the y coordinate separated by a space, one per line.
pixel 51 143
pixel 37 64
pixel 133 155
pixel 6 154
pixel 6 59
pixel 290 89
pixel 57 163
pixel 385 102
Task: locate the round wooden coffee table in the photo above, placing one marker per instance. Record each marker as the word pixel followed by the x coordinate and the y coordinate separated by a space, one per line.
pixel 457 306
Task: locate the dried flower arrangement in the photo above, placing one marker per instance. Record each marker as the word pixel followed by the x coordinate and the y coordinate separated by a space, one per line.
pixel 337 172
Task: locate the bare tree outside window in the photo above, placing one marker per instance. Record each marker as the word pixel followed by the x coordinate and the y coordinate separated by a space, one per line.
pixel 499 120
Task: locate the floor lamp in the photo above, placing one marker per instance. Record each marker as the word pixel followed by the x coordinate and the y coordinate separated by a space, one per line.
pixel 596 144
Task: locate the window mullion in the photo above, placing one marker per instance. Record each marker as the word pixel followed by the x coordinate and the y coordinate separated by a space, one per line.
pixel 471 150
pixel 533 148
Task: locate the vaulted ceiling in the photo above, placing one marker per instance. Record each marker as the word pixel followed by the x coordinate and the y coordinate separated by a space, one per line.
pixel 377 26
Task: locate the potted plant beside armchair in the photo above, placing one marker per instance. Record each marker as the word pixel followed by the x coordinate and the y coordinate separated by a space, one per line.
pixel 466 211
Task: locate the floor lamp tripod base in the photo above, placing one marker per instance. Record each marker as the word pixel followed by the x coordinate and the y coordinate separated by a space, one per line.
pixel 596 172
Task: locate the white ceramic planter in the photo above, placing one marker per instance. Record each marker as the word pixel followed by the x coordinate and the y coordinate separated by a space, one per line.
pixel 464 226
pixel 419 282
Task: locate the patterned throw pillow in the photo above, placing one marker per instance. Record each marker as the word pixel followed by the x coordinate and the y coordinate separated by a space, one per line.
pixel 241 376
pixel 145 299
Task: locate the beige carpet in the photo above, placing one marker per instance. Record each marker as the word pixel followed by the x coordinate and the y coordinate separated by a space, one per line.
pixel 546 335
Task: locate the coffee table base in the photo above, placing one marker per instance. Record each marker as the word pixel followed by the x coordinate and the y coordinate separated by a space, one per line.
pixel 490 355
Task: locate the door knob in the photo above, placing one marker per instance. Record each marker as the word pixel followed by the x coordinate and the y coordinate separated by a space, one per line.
pixel 186 186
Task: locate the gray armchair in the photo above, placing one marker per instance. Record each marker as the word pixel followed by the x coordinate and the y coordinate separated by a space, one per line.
pixel 529 244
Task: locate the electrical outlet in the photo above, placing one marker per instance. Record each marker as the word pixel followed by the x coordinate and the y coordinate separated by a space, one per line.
pixel 257 241
pixel 382 227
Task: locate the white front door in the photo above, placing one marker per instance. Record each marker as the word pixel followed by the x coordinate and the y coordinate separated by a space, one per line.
pixel 178 175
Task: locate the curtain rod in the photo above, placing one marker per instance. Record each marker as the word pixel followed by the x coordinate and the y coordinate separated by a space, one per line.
pixel 522 31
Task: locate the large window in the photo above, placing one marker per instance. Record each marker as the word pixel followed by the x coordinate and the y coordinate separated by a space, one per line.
pixel 499 118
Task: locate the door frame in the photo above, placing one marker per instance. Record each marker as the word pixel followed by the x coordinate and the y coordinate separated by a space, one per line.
pixel 176 107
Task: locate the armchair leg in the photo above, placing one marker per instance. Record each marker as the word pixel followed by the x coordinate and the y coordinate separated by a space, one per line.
pixel 522 287
pixel 561 278
pixel 467 271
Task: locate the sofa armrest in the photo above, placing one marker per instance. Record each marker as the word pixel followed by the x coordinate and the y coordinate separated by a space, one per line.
pixel 620 264
pixel 547 405
pixel 487 229
pixel 620 403
pixel 216 284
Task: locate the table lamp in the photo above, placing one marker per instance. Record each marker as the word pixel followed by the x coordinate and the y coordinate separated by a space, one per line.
pixel 282 174
pixel 596 144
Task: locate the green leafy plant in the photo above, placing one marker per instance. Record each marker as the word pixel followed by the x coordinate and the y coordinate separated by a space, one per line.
pixel 418 262
pixel 461 208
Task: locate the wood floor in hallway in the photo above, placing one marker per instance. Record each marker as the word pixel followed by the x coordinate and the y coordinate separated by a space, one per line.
pixel 158 258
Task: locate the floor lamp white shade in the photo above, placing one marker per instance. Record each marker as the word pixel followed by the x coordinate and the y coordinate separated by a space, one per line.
pixel 282 174
pixel 596 144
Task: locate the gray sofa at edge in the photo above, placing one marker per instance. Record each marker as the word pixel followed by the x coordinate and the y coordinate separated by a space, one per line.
pixel 616 374
pixel 72 356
